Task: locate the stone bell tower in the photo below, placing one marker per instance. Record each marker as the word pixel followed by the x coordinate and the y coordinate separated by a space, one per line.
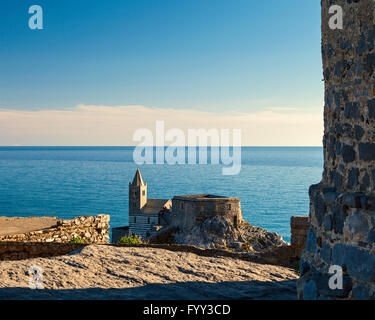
pixel 342 205
pixel 137 194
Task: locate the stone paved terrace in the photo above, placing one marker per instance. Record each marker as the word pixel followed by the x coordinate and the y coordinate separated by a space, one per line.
pixel 13 225
pixel 106 272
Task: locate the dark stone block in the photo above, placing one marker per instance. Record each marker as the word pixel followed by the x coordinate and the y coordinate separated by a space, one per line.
pixel 328 98
pixel 353 178
pixel 327 189
pixel 365 183
pixel 370 62
pixel 340 67
pixel 371 35
pixel 352 200
pixel 351 110
pixel 338 219
pixel 326 74
pixel 359 262
pixel 325 253
pixel 336 179
pixel 338 148
pixel 330 51
pixel 359 132
pixel 371 38
pixel 319 208
pixel 359 67
pixel 364 202
pixel 358 223
pixel 337 97
pixel 371 236
pixel 310 291
pixel 344 95
pixel 348 153
pixel 367 151
pixel 345 45
pixel 313 190
pixel 322 284
pixel 373 176
pixel 371 108
pixel 330 197
pixel 360 293
pixel 327 223
pixel 331 146
pixel 362 45
pixel 311 242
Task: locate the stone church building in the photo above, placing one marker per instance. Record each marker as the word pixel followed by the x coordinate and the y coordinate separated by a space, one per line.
pixel 144 213
pixel 148 215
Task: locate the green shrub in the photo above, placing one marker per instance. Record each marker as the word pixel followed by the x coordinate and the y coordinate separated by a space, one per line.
pixel 130 240
pixel 78 240
pixel 247 246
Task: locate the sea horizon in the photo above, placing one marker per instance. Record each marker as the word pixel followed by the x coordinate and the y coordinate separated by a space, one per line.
pixel 69 181
pixel 133 146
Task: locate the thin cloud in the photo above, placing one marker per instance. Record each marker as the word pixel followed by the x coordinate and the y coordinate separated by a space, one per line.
pixel 90 125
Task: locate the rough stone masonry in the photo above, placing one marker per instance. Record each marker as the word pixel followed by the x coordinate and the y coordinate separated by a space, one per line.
pixel 49 236
pixel 342 205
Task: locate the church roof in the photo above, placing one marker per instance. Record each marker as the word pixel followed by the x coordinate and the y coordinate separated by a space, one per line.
pixel 137 180
pixel 154 206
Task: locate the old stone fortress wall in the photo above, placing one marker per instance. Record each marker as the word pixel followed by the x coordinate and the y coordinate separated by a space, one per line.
pixel 147 215
pixel 342 210
pixel 188 209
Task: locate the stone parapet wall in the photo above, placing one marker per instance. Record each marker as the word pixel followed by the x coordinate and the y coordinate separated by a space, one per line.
pixel 299 226
pixel 118 233
pixel 39 243
pixel 92 229
pixel 27 250
pixel 279 256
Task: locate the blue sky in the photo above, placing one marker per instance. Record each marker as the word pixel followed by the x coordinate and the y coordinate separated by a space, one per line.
pixel 225 56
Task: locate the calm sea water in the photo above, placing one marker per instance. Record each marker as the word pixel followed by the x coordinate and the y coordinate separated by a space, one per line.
pixel 72 181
